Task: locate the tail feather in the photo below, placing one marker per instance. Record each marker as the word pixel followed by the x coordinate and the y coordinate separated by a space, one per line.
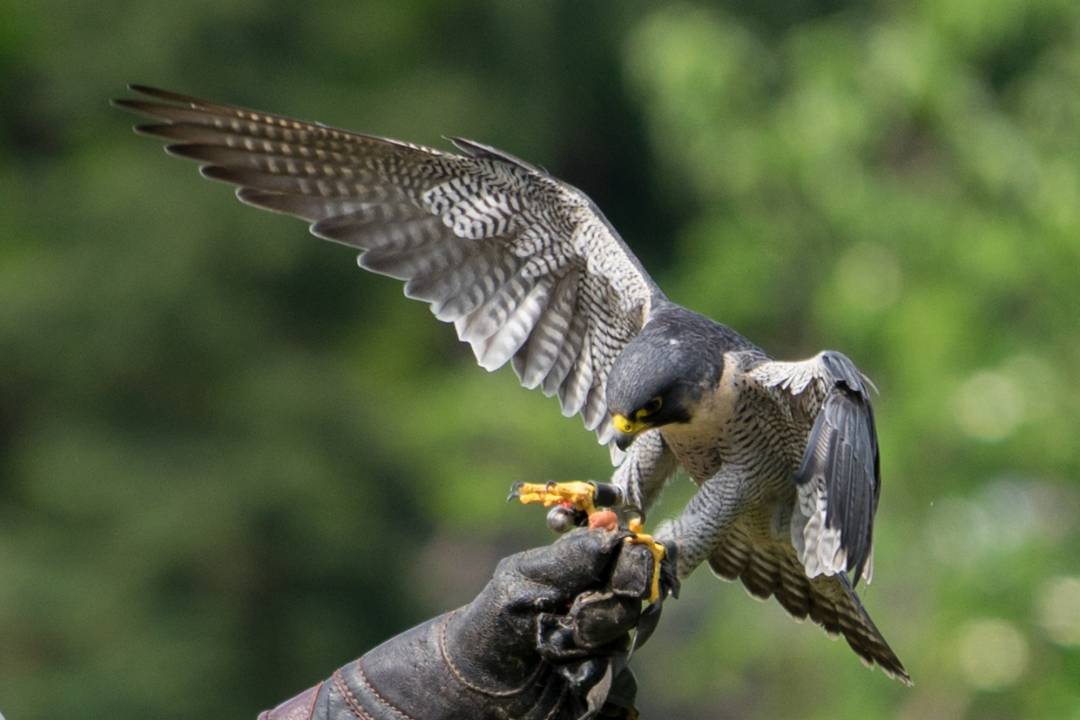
pixel 828 600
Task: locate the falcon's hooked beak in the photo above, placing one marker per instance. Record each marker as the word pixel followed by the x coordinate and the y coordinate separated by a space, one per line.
pixel 626 430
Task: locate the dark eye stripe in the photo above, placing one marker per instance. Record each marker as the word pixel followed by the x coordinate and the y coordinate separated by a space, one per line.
pixel 649 408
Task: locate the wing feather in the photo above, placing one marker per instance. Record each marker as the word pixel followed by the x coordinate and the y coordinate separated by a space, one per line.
pixel 525 266
pixel 575 388
pixel 538 354
pixel 839 480
pixel 773 570
pixel 571 345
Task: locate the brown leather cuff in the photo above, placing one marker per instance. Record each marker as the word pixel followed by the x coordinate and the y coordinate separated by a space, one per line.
pixel 301 707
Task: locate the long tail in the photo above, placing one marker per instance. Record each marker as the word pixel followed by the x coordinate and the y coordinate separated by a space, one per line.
pixel 829 601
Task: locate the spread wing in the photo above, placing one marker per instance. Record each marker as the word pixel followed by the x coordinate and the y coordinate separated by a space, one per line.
pixel 525 266
pixel 839 480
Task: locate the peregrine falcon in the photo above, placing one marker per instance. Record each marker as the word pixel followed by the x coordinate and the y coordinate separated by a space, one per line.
pixel 530 272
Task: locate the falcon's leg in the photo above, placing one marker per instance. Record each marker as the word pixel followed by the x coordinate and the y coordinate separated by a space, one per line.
pixel 644 472
pixel 635 485
pixel 576 495
pixel 701 527
pixel 585 497
pixel 571 503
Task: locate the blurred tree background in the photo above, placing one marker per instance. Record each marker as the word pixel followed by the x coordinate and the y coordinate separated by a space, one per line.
pixel 230 462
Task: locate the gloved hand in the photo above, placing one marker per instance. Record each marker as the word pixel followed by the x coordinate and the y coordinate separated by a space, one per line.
pixel 547 638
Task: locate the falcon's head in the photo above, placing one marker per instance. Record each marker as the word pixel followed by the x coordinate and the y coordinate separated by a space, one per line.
pixel 658 379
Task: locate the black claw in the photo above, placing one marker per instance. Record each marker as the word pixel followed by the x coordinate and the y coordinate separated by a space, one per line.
pixel 515 491
pixel 669 575
pixel 650 618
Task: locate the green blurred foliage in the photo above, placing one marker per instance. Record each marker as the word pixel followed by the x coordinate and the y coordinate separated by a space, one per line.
pixel 229 462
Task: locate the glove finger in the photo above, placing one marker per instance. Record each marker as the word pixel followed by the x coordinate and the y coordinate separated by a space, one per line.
pixel 600 618
pixel 579 560
pixel 632 574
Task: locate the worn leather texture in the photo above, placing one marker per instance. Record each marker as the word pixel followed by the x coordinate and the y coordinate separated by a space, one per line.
pixel 546 639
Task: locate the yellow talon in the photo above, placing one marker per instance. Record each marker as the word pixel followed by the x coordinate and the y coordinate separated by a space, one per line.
pixel 657 550
pixel 579 494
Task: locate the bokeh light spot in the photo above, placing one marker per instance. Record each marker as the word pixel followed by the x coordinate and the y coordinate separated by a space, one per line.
pixel 993 653
pixel 869 277
pixel 989 406
pixel 1058 609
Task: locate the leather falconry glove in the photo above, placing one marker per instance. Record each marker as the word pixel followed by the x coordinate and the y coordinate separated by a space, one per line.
pixel 546 639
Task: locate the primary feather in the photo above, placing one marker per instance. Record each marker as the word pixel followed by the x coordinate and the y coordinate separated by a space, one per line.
pixel 524 266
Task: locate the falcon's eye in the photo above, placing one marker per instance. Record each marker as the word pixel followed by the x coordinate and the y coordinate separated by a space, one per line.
pixel 651 407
